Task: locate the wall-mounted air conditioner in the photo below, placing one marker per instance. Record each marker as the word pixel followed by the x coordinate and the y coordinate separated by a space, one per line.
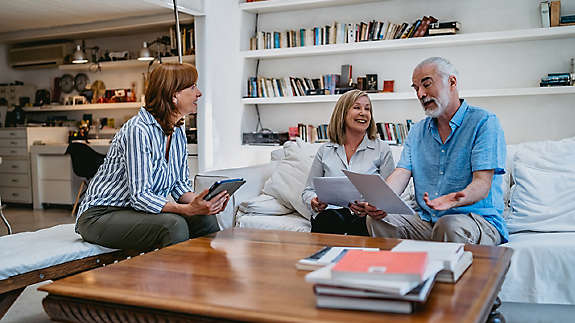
pixel 38 56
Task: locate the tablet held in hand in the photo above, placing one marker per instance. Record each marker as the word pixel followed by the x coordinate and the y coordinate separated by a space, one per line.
pixel 230 185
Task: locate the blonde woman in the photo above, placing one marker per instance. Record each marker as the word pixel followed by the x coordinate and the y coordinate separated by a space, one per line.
pixel 353 145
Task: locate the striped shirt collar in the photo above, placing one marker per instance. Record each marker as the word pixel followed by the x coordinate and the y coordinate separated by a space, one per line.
pixel 149 119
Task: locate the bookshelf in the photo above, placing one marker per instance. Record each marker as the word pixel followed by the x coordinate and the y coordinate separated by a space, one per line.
pixel 417 43
pixel 411 95
pixel 86 107
pixel 501 53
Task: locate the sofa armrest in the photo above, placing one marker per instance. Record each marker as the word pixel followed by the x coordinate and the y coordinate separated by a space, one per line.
pixel 255 177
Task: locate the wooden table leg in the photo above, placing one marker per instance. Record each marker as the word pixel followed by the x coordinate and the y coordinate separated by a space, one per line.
pixel 7 299
pixel 495 316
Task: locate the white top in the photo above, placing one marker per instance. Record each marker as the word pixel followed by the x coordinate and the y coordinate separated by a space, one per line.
pixel 371 157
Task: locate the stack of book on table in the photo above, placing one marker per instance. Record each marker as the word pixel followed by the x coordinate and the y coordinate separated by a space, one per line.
pixel 385 281
pixel 388 281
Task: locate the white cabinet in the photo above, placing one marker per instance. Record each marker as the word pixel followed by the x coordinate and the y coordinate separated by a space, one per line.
pixel 15 175
pixel 501 53
pixel 53 178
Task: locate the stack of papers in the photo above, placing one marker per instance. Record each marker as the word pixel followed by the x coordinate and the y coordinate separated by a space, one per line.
pixel 341 191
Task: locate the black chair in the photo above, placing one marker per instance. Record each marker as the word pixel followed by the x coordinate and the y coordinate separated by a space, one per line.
pixel 85 163
pixel 4 220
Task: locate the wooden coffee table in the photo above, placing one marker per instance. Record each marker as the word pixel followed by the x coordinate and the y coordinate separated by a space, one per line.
pixel 250 275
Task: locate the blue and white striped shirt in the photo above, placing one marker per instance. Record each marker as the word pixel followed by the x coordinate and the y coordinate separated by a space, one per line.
pixel 135 172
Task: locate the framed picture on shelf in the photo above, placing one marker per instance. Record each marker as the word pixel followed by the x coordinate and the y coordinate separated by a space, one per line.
pixel 371 82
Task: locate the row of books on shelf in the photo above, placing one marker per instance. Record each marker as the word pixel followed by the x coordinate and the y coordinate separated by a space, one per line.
pixel 263 87
pixel 392 133
pixel 398 281
pixel 341 33
pixel 187 39
pixel 556 79
pixel 309 133
pixel 551 15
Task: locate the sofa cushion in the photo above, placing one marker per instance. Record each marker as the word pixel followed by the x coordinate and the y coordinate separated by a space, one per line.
pixel 541 197
pixel 288 222
pixel 541 269
pixel 288 180
pixel 264 204
pixel 28 251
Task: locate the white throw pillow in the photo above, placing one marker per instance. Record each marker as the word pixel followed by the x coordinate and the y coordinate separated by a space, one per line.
pixel 264 204
pixel 541 198
pixel 288 180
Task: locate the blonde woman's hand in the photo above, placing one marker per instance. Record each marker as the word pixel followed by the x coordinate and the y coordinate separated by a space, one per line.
pixel 317 205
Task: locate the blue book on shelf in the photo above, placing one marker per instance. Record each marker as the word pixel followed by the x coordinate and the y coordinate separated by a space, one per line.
pixel 276 40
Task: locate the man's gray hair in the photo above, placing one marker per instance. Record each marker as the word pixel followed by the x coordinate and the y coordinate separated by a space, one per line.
pixel 444 67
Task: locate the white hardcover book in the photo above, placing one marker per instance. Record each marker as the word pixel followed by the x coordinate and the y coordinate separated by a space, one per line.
pixel 333 33
pixel 351 33
pixel 340 33
pixel 453 275
pixel 260 40
pixel 309 37
pixel 283 39
pixel 287 86
pixel 275 87
pixel 448 253
pixel 265 90
pixel 545 20
pixel 388 31
pixel 270 88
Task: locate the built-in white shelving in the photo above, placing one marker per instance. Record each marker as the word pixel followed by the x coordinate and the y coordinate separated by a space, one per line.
pixel 414 43
pixel 114 65
pixel 478 93
pixel 285 5
pixel 86 107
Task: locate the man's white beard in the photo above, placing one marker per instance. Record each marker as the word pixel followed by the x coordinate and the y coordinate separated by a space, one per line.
pixel 441 105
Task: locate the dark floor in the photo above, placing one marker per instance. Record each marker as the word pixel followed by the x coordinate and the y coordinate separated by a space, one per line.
pixel 24 218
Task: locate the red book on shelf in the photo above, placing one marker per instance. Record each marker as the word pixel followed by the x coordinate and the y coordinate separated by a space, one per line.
pixel 370 265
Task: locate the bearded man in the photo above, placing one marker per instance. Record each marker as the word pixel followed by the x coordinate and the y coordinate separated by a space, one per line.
pixel 456 157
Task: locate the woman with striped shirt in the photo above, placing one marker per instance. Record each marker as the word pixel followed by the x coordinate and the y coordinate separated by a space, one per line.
pixel 126 205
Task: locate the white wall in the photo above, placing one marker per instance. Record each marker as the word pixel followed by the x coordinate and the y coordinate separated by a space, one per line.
pixel 221 113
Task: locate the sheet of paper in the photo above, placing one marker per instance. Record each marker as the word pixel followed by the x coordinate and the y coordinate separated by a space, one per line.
pixel 378 193
pixel 335 190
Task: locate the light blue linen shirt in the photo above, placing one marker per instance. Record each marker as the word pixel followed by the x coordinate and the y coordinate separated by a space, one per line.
pixel 476 143
pixel 135 172
pixel 371 157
